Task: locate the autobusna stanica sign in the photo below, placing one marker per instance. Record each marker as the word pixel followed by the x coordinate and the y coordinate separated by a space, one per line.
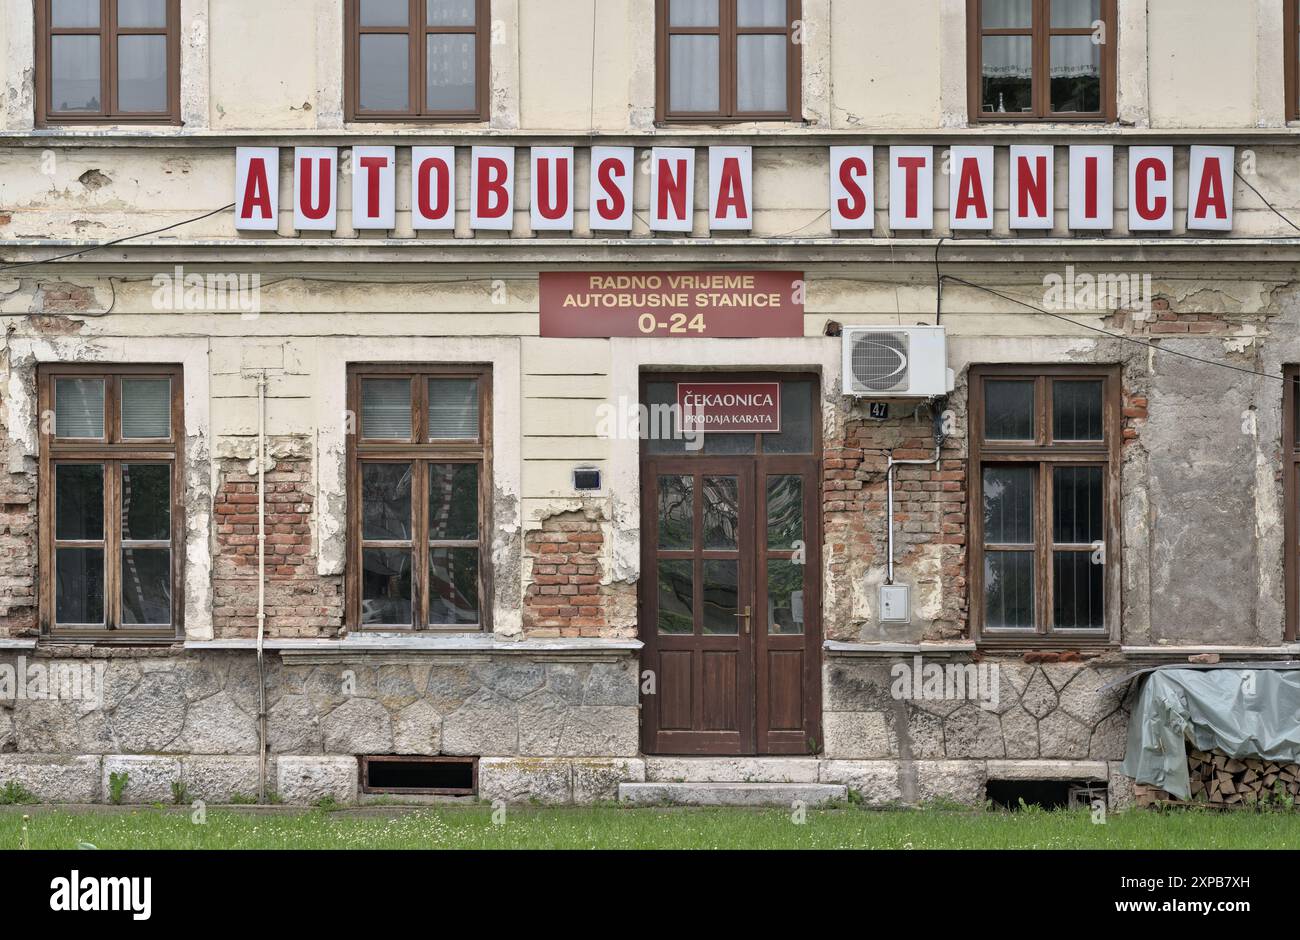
pixel 1087 176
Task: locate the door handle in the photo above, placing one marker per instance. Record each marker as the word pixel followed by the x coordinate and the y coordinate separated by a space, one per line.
pixel 745 616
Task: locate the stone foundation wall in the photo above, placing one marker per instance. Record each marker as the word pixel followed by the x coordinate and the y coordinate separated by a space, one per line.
pixel 1037 712
pixel 547 728
pixel 165 717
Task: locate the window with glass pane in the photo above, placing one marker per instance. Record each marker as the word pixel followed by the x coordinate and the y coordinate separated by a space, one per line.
pixel 785 562
pixel 115 61
pixel 1291 495
pixel 418 472
pixel 1045 448
pixel 146 408
pixel 1042 59
pixel 413 59
pixel 108 539
pixel 453 409
pixel 1291 55
pixel 79 408
pixel 728 60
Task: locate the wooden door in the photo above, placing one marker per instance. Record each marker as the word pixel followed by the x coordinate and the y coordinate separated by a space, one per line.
pixel 730 593
pixel 698 611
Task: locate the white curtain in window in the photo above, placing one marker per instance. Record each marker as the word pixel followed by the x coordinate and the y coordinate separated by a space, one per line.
pixel 761 78
pixel 1074 57
pixel 1008 59
pixel 693 65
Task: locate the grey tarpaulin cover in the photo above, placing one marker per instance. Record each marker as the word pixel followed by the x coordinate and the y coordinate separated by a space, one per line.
pixel 1243 712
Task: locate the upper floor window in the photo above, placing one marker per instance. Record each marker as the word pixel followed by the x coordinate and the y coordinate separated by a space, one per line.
pixel 1041 60
pixel 419 478
pixel 108 61
pixel 728 60
pixel 1044 463
pixel 413 60
pixel 111 519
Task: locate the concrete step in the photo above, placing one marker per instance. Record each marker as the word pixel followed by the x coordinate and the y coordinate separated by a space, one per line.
pixel 731 769
pixel 730 794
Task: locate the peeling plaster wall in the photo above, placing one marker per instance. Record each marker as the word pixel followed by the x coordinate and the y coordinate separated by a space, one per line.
pixel 329 413
pixel 86 191
pixel 26 352
pixel 1201 480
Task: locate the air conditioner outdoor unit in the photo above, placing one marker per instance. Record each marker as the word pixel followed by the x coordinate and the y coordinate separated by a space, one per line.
pixel 896 362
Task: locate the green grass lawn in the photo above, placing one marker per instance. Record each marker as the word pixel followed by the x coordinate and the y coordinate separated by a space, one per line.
pixel 618 828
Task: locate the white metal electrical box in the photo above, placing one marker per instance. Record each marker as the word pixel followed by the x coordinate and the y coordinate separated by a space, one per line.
pixel 895 603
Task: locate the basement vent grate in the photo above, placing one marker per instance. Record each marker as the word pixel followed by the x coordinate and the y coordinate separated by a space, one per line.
pixel 1048 794
pixel 441 776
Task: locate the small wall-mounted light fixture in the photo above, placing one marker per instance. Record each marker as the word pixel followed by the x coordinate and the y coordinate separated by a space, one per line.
pixel 586 479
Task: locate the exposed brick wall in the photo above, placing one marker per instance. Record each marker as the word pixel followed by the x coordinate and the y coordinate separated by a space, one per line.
pixel 18 525
pixel 1135 415
pixel 299 602
pixel 929 525
pixel 1163 321
pixel 565 596
pixel 18 553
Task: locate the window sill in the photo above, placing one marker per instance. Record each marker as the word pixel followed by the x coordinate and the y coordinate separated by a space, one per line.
pixel 841 649
pixel 107 640
pixel 415 122
pixel 1005 119
pixel 731 124
pixel 107 123
pixel 1047 644
pixel 446 643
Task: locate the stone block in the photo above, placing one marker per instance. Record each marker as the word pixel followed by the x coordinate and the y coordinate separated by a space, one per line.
pixel 222 778
pixel 876 781
pixel 597 781
pixel 358 726
pixel 857 735
pixel 148 780
pixel 732 769
pixel 525 780
pixel 54 778
pixel 957 781
pixel 304 780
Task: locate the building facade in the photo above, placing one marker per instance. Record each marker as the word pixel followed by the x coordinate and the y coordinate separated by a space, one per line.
pixel 334 469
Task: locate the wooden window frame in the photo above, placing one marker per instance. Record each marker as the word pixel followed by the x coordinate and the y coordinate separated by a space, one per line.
pixel 729 32
pixel 417 65
pixel 112 451
pixel 1291 50
pixel 418 451
pixel 1291 493
pixel 1041 34
pixel 1044 454
pixel 108 33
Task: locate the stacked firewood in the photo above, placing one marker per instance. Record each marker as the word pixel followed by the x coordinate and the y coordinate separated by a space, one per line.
pixel 1220 779
pixel 1225 782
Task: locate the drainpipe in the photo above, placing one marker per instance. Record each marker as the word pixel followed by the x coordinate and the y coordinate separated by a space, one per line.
pixel 261 586
pixel 889 485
